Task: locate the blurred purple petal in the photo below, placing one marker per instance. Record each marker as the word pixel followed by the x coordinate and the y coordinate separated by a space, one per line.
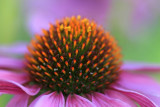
pixel 140 88
pixel 11 63
pixel 20 100
pixel 135 18
pixel 42 12
pixel 144 11
pixel 144 14
pixel 14 49
pixel 138 66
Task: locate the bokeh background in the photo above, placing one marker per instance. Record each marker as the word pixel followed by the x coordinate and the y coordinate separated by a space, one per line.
pixel 134 23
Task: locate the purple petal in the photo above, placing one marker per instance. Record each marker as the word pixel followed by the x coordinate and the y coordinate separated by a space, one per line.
pixel 20 100
pixel 140 88
pixel 49 100
pixel 78 101
pixel 101 100
pixel 11 87
pixel 41 12
pixel 14 49
pixel 119 98
pixel 11 63
pixel 17 77
pixel 133 66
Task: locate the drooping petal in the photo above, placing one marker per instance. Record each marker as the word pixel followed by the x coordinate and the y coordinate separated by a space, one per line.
pixel 12 87
pixel 42 12
pixel 119 98
pixel 138 97
pixel 101 100
pixel 11 63
pixel 78 101
pixel 133 66
pixel 17 77
pixel 14 49
pixel 53 99
pixel 141 88
pixel 20 100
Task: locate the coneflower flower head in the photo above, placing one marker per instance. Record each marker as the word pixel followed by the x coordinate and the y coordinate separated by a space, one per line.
pixel 73 56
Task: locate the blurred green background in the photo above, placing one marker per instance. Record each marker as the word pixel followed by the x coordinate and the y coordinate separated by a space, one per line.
pixel 144 47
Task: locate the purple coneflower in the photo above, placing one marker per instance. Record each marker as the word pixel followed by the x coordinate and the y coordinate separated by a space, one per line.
pixel 75 64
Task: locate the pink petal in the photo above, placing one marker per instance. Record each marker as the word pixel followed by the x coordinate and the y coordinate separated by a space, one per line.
pixel 14 49
pixel 140 88
pixel 101 100
pixel 119 97
pixel 11 63
pixel 78 101
pixel 49 100
pixel 17 77
pixel 133 66
pixel 20 100
pixel 11 87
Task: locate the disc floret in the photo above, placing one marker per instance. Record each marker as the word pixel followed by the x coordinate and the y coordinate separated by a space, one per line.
pixel 73 56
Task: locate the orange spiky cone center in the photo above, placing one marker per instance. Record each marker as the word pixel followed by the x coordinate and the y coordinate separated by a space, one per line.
pixel 73 56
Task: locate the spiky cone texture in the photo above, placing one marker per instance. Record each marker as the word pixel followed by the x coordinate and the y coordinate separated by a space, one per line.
pixel 73 56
